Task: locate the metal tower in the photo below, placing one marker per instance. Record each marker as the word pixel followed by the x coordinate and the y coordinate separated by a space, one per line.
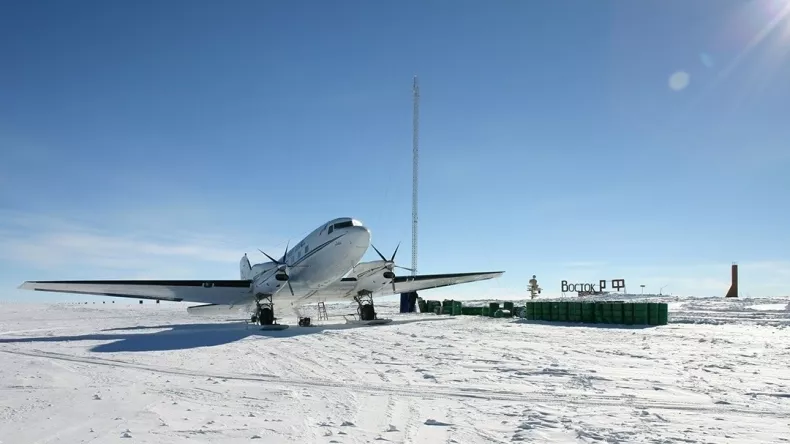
pixel 415 162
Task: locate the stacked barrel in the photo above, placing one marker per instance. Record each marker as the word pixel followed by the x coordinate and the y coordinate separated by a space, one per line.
pixel 599 312
pixel 455 308
pixel 589 312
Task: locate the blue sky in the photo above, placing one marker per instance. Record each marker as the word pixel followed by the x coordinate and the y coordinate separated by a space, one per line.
pixel 568 139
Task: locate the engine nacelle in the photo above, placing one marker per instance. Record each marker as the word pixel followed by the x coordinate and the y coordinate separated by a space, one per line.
pixel 372 276
pixel 267 283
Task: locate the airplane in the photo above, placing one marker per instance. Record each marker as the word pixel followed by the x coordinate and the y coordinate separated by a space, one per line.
pixel 324 266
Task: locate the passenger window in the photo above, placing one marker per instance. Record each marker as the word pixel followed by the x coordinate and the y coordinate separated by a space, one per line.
pixel 331 229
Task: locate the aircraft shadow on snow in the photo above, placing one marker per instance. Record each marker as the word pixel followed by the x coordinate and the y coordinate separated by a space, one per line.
pixel 188 336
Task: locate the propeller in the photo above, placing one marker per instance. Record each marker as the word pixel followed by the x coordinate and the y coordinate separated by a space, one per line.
pixel 282 266
pixel 390 265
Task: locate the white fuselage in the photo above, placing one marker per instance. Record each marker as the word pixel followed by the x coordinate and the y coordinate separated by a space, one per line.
pixel 323 257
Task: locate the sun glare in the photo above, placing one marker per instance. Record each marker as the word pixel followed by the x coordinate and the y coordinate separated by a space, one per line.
pixel 679 80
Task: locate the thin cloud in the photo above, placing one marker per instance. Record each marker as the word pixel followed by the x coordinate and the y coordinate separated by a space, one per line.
pixel 42 241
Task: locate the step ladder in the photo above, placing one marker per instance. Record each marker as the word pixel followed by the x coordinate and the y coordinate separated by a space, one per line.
pixel 322 314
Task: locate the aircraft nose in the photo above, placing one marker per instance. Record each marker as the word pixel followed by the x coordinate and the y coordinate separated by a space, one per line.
pixel 361 236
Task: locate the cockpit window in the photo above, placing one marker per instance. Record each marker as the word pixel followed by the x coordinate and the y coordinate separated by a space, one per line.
pixel 343 225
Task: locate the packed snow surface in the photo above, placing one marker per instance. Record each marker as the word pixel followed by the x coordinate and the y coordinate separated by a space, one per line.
pixel 151 373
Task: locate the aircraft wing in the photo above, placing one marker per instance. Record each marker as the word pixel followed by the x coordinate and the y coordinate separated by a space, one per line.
pixel 406 284
pixel 224 292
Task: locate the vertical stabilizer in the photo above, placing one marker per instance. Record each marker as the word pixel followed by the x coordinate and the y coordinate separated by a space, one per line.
pixel 244 267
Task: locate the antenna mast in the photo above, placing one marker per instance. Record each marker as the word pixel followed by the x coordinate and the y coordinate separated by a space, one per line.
pixel 415 161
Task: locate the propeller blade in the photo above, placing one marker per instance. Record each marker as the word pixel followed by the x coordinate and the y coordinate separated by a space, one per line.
pixel 270 258
pixel 393 286
pixel 290 288
pixel 394 253
pixel 380 255
pixel 286 251
pixel 404 268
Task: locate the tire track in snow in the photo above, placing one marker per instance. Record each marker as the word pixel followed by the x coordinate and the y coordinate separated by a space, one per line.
pixel 341 368
pixel 426 391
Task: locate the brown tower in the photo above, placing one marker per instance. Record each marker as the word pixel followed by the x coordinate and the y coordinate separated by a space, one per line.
pixel 733 291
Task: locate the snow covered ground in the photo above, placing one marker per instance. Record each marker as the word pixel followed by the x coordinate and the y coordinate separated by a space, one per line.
pixel 720 372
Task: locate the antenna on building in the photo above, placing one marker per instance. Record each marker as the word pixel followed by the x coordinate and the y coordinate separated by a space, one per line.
pixel 415 162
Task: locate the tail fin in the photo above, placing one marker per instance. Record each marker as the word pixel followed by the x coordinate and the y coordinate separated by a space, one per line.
pixel 244 267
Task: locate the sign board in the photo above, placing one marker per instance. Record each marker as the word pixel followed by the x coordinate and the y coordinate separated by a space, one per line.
pixel 589 288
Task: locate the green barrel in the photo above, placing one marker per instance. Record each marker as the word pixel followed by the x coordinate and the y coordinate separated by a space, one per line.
pixel 663 314
pixel 494 306
pixel 473 311
pixel 628 314
pixel 563 310
pixel 588 312
pixel 508 305
pixel 437 309
pixel 617 313
pixel 545 311
pixel 530 311
pixel 608 313
pixel 575 311
pixel 486 311
pixel 555 311
pixel 537 310
pixel 640 313
pixel 598 312
pixel 652 313
pixel 457 307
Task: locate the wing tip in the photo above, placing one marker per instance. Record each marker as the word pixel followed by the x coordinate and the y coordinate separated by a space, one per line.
pixel 27 285
pixel 493 274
